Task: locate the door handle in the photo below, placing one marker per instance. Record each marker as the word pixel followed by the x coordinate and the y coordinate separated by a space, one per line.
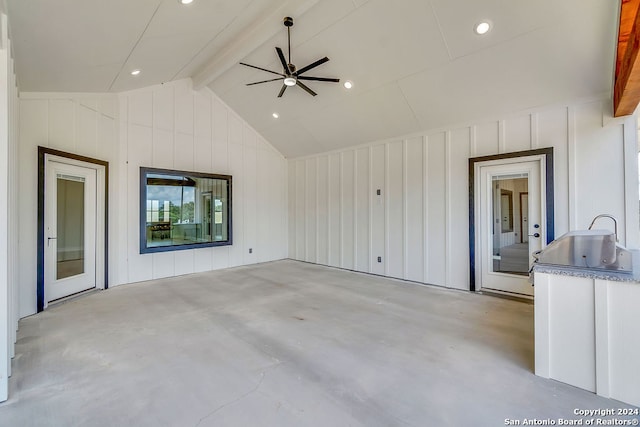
pixel 536 235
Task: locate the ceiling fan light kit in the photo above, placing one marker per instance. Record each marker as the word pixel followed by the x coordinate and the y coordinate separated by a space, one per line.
pixel 291 76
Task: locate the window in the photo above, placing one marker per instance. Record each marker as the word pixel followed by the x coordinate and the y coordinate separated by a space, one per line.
pixel 183 210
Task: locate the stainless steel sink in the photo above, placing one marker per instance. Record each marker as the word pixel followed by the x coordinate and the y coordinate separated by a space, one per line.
pixel 589 249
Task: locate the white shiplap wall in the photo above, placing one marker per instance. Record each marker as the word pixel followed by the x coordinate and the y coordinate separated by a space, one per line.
pixel 419 224
pixel 165 126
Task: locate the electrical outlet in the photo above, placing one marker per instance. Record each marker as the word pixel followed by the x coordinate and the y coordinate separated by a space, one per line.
pixel 250 250
pixel 378 192
pixel 379 259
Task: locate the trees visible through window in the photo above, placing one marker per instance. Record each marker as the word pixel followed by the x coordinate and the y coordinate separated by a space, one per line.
pixel 177 210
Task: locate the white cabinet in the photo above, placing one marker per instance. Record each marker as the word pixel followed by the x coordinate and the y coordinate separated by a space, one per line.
pixel 587 334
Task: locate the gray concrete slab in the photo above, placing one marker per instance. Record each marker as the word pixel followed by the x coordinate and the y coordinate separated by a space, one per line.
pixel 283 344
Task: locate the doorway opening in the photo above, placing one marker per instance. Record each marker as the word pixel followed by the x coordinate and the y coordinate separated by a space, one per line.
pixel 72 225
pixel 510 216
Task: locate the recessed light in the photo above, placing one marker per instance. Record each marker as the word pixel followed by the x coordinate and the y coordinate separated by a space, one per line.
pixel 275 115
pixel 135 72
pixel 482 27
pixel 185 1
pixel 348 84
pixel 290 81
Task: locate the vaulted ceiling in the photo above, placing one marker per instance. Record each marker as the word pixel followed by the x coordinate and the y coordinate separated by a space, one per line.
pixel 415 64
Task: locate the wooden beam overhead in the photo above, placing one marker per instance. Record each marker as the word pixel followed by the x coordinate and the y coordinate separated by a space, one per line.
pixel 626 92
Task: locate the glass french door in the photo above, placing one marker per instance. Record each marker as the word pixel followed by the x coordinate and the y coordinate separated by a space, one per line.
pixel 511 224
pixel 70 229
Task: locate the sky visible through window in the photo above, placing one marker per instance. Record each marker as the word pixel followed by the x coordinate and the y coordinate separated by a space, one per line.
pixel 172 194
pixel 180 198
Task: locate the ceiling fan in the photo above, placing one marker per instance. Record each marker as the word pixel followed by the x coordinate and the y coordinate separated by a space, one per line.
pixel 290 75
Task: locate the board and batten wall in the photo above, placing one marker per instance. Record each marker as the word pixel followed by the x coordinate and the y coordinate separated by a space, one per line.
pixel 171 126
pixel 165 126
pixel 418 225
pixel 83 124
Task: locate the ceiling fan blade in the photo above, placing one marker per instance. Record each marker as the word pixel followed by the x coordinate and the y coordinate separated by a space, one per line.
pixel 313 65
pixel 285 66
pixel 263 69
pixel 264 81
pixel 319 79
pixel 303 86
pixel 284 87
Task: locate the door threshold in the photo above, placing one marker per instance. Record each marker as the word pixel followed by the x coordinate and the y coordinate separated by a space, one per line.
pixel 71 297
pixel 507 295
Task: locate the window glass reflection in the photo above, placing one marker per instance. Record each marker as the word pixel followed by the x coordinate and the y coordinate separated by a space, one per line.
pixel 184 209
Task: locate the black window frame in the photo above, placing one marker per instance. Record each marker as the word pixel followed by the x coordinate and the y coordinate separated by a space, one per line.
pixel 144 172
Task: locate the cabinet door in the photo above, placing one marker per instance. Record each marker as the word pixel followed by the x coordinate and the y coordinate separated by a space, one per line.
pixel 565 329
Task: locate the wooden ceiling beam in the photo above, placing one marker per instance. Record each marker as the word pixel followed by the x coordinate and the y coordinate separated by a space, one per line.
pixel 626 92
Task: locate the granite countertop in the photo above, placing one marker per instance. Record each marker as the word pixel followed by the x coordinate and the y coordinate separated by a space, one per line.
pixel 589 273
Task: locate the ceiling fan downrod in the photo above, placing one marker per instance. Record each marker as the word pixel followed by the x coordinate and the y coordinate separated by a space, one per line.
pixel 288 22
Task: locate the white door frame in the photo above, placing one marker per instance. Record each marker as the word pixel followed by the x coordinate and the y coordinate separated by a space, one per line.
pixel 57 288
pixel 102 177
pixel 533 168
pixel 546 156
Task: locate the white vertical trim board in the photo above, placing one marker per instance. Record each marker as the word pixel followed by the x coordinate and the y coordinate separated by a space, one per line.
pixel 328 184
pixel 329 216
pixel 535 143
pixel 372 257
pixel 306 208
pixel 502 140
pixel 14 216
pixel 386 208
pixel 377 232
pixel 317 187
pixel 425 207
pixel 405 213
pixel 447 209
pixel 631 220
pixel 291 205
pixel 473 144
pixel 5 312
pixel 9 212
pixel 355 210
pixel 362 199
pixel 340 183
pixel 571 166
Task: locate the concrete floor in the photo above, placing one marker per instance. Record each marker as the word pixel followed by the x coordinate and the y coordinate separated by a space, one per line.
pixel 282 344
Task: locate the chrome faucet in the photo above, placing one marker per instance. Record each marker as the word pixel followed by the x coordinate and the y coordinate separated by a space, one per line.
pixel 613 218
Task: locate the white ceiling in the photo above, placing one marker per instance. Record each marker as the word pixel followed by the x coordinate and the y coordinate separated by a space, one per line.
pixel 416 64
